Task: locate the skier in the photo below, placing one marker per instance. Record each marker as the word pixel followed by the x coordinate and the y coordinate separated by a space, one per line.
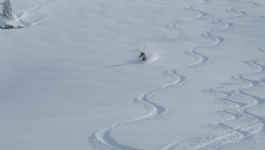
pixel 143 56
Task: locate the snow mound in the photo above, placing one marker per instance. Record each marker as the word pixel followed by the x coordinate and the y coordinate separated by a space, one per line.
pixel 13 23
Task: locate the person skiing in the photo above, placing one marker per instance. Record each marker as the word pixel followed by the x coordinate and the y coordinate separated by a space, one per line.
pixel 142 54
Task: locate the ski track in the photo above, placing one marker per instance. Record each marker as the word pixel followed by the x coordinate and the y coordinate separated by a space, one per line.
pixel 26 13
pixel 241 112
pixel 102 139
pixel 250 124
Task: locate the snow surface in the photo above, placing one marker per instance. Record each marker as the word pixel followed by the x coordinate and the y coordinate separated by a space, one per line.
pixel 71 80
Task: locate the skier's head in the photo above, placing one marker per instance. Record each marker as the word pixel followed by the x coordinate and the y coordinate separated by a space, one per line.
pixel 142 53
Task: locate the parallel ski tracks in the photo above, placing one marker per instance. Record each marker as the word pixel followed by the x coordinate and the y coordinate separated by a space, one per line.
pixel 250 124
pixel 102 139
pixel 231 134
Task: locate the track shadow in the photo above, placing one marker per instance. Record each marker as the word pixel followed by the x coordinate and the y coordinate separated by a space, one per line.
pixel 127 63
pixel 150 59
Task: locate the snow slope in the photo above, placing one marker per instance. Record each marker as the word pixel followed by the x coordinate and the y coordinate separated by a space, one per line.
pixel 71 78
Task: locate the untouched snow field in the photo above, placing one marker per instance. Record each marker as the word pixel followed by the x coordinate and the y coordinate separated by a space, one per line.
pixel 71 79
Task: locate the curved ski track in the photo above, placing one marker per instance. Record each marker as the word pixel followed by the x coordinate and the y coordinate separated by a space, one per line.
pixel 23 17
pixel 248 123
pixel 102 139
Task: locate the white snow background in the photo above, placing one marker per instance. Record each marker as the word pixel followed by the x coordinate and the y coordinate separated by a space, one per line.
pixel 71 79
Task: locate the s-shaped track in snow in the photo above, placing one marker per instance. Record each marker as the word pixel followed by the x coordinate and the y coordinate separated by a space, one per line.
pixel 102 139
pixel 241 124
